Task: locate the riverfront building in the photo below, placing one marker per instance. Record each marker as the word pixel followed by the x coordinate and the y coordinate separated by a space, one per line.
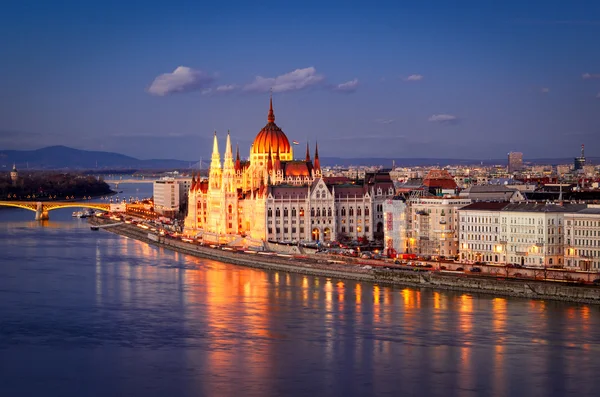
pixel 432 225
pixel 274 197
pixel 169 194
pixel 394 215
pixel 529 234
pixel 582 239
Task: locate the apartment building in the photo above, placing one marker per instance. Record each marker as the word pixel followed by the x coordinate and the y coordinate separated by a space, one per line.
pixel 432 225
pixel 582 239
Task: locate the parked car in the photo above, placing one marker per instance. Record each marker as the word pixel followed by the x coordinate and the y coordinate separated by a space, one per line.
pixel 596 281
pixel 442 267
pixel 475 269
pixel 460 269
pixel 518 275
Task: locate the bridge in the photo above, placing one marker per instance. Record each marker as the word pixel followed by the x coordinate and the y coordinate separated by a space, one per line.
pixel 41 208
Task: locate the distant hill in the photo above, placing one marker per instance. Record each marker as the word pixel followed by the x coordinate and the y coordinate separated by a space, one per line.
pixel 405 162
pixel 62 157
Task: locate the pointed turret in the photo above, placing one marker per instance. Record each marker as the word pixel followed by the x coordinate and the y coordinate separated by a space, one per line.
pixel 317 164
pixel 307 153
pixel 215 160
pixel 228 161
pixel 271 116
pixel 270 161
pixel 238 163
pixel 193 185
pixel 277 164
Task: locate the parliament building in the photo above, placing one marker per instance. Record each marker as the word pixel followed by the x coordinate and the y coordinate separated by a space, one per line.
pixel 274 197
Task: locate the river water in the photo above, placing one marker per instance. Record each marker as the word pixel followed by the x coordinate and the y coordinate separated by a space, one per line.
pixel 96 314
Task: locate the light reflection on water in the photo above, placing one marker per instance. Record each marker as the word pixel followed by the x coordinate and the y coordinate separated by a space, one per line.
pixel 121 317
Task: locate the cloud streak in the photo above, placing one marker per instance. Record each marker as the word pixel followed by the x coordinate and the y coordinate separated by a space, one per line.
pixel 414 77
pixel 182 79
pixel 348 86
pixel 589 76
pixel 443 118
pixel 384 121
pixel 293 81
pixel 222 89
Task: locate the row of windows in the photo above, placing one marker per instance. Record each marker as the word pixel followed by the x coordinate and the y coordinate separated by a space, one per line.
pixel 585 223
pixel 318 211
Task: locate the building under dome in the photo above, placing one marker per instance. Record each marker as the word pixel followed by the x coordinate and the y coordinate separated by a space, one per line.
pixel 272 197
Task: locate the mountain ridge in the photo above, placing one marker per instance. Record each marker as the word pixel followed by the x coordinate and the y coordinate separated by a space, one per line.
pixel 64 157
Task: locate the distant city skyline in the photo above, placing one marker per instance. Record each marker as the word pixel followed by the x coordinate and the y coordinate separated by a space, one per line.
pixel 432 79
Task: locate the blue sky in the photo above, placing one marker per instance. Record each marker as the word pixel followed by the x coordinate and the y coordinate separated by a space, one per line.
pixel 154 79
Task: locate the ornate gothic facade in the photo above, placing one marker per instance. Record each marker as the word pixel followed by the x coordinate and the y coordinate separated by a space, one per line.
pixel 274 197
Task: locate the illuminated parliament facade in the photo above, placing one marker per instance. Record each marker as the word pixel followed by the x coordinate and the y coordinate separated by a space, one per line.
pixel 273 197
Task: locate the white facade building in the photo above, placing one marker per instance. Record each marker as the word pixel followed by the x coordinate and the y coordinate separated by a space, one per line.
pixel 394 215
pixel 432 225
pixel 167 196
pixel 480 233
pixel 582 239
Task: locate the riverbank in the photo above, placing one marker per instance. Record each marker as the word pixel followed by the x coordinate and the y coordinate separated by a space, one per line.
pixel 318 266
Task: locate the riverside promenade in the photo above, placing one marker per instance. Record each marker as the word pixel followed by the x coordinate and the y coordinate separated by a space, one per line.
pixel 317 265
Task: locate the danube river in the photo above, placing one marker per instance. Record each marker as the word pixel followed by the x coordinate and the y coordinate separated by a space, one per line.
pixel 86 313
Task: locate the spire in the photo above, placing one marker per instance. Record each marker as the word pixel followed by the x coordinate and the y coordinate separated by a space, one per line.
pixel 307 153
pixel 582 148
pixel 216 157
pixel 270 161
pixel 277 161
pixel 228 153
pixel 238 163
pixel 317 163
pixel 271 117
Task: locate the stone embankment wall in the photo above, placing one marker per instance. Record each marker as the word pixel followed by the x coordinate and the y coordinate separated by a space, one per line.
pixel 316 267
pixel 509 287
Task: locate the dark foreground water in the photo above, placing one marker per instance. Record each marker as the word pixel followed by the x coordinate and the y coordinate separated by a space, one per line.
pixel 87 313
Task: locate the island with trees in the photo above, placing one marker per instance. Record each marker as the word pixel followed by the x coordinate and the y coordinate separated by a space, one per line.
pixel 50 185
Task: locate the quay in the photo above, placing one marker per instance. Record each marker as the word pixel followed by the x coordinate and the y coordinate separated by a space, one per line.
pixel 317 265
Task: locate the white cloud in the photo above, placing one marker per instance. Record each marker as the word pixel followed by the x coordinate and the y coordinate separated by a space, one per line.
pixel 384 121
pixel 587 76
pixel 414 77
pixel 443 118
pixel 292 81
pixel 183 79
pixel 226 88
pixel 348 86
pixel 222 89
pixel 544 90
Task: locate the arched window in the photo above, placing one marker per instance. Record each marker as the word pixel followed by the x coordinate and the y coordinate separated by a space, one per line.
pixel 359 211
pixel 366 211
pixel 351 211
pixel 293 212
pixel 301 211
pixel 343 211
pixel 230 209
pixel 329 211
pixel 277 213
pixel 323 211
pixel 285 211
pixel 270 212
pixel 312 212
pixel 318 212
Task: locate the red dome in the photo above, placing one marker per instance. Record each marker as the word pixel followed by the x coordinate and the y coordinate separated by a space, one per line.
pixel 271 138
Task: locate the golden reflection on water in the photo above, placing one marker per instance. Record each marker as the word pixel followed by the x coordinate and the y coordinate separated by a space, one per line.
pixel 499 316
pixel 238 305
